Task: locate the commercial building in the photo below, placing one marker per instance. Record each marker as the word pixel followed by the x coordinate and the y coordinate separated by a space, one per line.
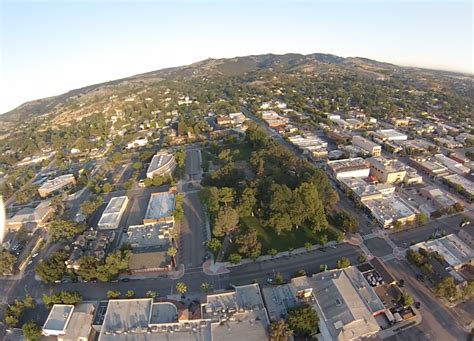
pixel 31 217
pixel 311 144
pixel 388 210
pixel 237 315
pixel 390 135
pixel 141 319
pixel 412 177
pixel 452 165
pixel 149 236
pixel 453 250
pixel 448 143
pixel 349 168
pixel 57 320
pixel 370 147
pixel 138 142
pixel 428 166
pixel 466 234
pixel 79 327
pixel 161 207
pixel 163 163
pixel 278 300
pixel 274 120
pixel 112 215
pixel 346 304
pixel 56 184
pixel 339 136
pixel 387 170
pixel 440 198
pixel 363 191
pixel 465 186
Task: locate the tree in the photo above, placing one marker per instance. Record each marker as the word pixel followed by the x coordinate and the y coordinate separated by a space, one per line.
pixel 303 320
pixel 128 184
pixel 272 252
pixel 15 310
pixel 130 294
pixel 249 244
pixel 57 203
pixel 361 258
pixel 116 157
pixel 178 211
pixel 151 294
pixel 415 257
pixel 181 288
pixel 458 207
pixel 52 269
pixel 342 263
pixel 447 289
pixel 214 245
pixel 421 218
pixel 308 245
pixel 279 279
pixel 225 222
pixel 406 299
pixel 206 287
pixel 323 239
pixel 31 331
pixel 172 252
pixel 63 297
pixel 137 165
pixel 247 201
pixel 7 260
pixel 107 188
pixel 280 331
pixel 235 258
pixel 61 229
pixel 113 294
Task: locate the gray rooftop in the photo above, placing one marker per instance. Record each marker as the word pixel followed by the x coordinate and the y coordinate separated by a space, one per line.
pixel 163 312
pixel 58 318
pixel 160 205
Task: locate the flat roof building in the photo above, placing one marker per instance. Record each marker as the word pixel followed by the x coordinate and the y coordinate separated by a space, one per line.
pixel 349 168
pixel 56 184
pixel 31 217
pixel 149 236
pixel 79 327
pixel 161 207
pixel 390 135
pixel 237 315
pixel 112 215
pixel 386 211
pixel 467 185
pixel 454 251
pixel 428 166
pixel 370 147
pixel 452 165
pixel 143 262
pixel 346 304
pixel 387 170
pixel 163 163
pixel 58 320
pixel 311 143
pixel 440 198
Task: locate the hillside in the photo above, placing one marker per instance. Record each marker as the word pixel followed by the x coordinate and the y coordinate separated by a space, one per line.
pixel 95 98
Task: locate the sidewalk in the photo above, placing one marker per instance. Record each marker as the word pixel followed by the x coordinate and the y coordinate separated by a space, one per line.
pixel 213 269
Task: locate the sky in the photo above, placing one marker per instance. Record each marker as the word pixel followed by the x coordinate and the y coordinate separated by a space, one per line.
pixel 50 47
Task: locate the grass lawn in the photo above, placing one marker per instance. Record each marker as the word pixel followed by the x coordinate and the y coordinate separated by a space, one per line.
pixel 285 241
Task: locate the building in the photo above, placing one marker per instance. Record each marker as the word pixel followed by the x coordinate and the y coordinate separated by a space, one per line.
pixel 35 159
pixel 454 251
pixel 448 143
pixel 461 184
pixel 339 136
pixel 56 184
pixel 161 207
pixel 346 304
pixel 142 319
pixel 31 217
pixel 466 234
pixel 112 215
pixel 428 166
pixel 58 319
pixel 149 236
pixel 370 147
pixel 137 143
pixel 278 300
pixel 237 315
pixel 311 144
pixel 440 198
pixel 412 177
pixel 452 165
pixel 274 120
pixel 388 210
pixel 79 327
pixel 387 170
pixel 349 168
pixel 390 135
pixel 161 164
pixel 223 121
pixel 363 191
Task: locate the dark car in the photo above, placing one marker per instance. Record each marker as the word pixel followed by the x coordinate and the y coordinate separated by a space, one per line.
pixel 401 283
pixel 417 305
pixel 126 280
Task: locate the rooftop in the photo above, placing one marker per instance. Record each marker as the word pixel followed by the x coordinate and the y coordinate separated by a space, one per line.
pixel 159 160
pixel 161 205
pixel 387 210
pixel 116 204
pixel 466 184
pixel 390 165
pixel 454 250
pixel 163 312
pixel 391 134
pixel 278 299
pixel 126 316
pixel 58 319
pixel 57 182
pixel 347 164
pixel 157 261
pixel 81 322
pixel 148 236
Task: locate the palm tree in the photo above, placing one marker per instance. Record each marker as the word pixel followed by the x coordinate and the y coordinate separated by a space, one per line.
pixel 181 288
pixel 172 251
pixel 206 287
pixel 280 331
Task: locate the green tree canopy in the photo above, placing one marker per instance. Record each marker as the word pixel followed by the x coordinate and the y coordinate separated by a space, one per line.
pixel 303 320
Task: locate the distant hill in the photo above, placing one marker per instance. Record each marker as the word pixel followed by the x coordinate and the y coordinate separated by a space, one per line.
pixel 311 63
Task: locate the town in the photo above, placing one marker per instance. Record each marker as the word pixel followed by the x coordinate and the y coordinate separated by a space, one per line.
pixel 174 216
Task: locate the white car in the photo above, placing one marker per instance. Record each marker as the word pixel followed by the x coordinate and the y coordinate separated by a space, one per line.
pixel 34 255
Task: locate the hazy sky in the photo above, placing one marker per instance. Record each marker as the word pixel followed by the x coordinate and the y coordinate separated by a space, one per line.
pixel 50 47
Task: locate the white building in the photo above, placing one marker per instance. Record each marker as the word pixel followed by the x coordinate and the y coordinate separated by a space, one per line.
pixel 163 163
pixel 370 147
pixel 349 168
pixel 56 184
pixel 452 165
pixel 390 135
pixel 58 319
pixel 112 215
pixel 137 143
